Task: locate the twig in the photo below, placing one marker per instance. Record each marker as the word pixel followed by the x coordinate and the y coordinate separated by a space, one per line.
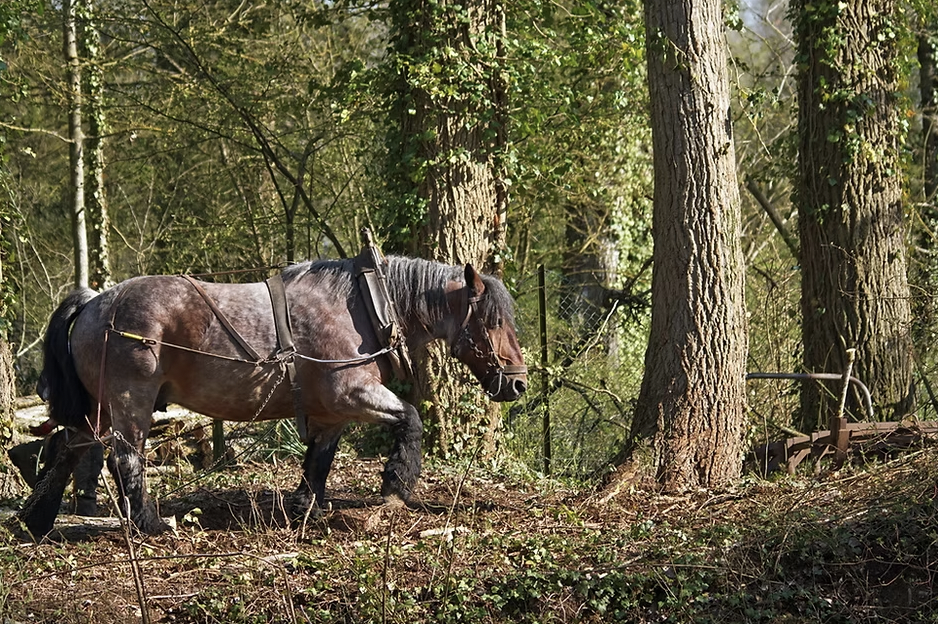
pixel 387 566
pixel 16 128
pixel 790 241
pixel 124 519
pixel 848 371
pixel 446 525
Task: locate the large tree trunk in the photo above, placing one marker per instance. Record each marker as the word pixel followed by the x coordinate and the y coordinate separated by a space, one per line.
pixel 457 139
pixel 924 251
pixel 588 261
pixel 692 403
pixel 928 75
pixel 854 289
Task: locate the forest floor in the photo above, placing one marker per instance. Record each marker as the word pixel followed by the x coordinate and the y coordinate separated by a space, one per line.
pixel 495 544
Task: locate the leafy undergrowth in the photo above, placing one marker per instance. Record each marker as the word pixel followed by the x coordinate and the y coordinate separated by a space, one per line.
pixel 856 546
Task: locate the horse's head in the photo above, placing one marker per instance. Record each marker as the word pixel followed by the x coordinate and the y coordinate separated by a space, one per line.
pixel 486 342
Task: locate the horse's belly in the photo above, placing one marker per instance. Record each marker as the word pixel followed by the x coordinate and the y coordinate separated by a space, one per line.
pixel 233 394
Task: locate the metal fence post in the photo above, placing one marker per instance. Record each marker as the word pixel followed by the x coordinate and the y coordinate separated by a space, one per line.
pixel 545 376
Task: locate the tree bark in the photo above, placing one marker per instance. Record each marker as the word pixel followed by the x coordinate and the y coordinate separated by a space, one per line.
pixel 692 403
pixel 456 138
pixel 928 75
pixel 76 142
pixel 854 289
pixel 99 255
pixel 588 261
pixel 10 483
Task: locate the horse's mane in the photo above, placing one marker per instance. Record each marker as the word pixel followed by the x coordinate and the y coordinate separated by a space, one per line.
pixel 415 285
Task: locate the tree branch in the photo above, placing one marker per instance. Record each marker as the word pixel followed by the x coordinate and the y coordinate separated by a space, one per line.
pixel 776 218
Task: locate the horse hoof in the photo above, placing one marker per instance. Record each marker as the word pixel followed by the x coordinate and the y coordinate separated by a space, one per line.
pixel 20 531
pixel 393 485
pixel 152 527
pixel 394 501
pixel 310 515
pixel 30 528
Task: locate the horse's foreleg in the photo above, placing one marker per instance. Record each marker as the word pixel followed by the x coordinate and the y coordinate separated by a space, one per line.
pixel 403 467
pixel 126 466
pixel 320 453
pixel 42 507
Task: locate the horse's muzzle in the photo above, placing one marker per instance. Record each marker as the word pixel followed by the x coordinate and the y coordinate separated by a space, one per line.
pixel 505 387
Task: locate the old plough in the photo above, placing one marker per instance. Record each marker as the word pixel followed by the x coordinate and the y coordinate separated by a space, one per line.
pixel 873 437
pixel 883 438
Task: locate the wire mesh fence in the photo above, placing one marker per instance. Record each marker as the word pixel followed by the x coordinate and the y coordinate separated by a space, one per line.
pixel 585 350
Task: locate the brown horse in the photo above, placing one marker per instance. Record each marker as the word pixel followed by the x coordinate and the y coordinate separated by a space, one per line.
pixel 114 358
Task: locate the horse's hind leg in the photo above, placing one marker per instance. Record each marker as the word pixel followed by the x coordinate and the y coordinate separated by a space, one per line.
pixel 320 453
pixel 41 508
pixel 126 465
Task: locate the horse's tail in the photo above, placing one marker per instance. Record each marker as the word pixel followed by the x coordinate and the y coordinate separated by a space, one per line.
pixel 69 401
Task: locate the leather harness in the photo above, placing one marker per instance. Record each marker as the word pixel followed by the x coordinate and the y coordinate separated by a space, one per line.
pixel 286 349
pixel 372 281
pixel 373 284
pixel 370 272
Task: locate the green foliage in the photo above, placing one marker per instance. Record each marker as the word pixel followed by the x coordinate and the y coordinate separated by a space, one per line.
pixel 823 29
pixel 214 111
pixel 12 17
pixel 593 376
pixel 579 129
pixel 11 29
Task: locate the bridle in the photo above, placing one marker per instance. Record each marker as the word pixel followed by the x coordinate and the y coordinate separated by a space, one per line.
pixel 496 372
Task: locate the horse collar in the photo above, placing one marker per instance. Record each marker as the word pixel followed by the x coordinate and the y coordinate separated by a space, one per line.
pixel 371 274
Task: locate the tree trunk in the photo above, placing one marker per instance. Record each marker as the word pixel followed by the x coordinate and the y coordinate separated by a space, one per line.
pixel 692 403
pixel 456 138
pixel 463 211
pixel 928 75
pixel 587 263
pixel 854 289
pixel 98 218
pixel 10 483
pixel 76 142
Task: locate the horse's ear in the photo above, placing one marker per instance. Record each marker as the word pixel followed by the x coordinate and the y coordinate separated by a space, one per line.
pixel 474 281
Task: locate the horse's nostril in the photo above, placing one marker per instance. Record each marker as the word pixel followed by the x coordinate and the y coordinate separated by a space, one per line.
pixel 520 386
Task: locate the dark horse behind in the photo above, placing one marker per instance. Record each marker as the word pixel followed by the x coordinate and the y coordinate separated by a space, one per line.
pixel 114 358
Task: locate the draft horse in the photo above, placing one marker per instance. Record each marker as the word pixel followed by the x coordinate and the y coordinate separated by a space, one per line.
pixel 112 359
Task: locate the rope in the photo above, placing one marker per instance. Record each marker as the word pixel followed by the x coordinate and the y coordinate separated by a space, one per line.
pixel 274 360
pixel 364 358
